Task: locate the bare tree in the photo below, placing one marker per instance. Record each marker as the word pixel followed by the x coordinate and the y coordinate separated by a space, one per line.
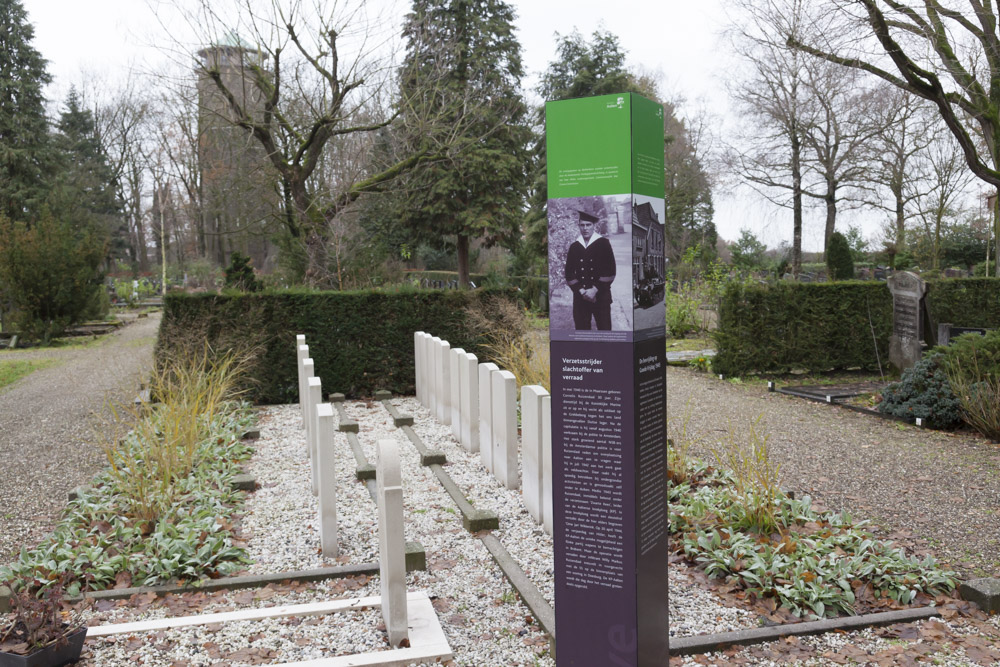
pixel 122 119
pixel 938 52
pixel 280 70
pixel 771 94
pixel 838 138
pixel 909 127
pixel 947 182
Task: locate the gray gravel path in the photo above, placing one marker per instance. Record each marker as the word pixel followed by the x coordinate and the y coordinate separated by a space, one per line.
pixel 933 491
pixel 47 443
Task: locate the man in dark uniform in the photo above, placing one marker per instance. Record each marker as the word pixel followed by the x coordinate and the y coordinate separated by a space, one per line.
pixel 590 270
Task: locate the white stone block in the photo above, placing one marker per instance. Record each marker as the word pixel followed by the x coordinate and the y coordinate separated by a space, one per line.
pixel 417 353
pixel 435 376
pixel 428 371
pixel 547 510
pixel 327 466
pixel 486 370
pixel 391 549
pixel 469 383
pixel 531 449
pixel 455 388
pixel 444 384
pixel 505 429
pixel 315 398
pixel 308 371
pixel 302 351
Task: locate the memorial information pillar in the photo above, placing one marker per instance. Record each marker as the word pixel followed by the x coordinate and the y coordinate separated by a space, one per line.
pixel 609 383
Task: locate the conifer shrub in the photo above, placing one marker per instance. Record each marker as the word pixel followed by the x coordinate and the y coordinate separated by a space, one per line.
pixel 240 275
pixel 839 263
pixel 924 391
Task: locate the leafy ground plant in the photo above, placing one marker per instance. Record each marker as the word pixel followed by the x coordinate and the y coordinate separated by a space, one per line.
pixel 36 620
pixel 164 508
pixel 815 564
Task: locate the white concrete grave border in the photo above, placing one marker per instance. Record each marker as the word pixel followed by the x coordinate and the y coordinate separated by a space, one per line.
pixel 427 638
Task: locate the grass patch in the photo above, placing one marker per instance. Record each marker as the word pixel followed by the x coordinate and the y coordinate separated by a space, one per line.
pixel 12 370
pixel 689 344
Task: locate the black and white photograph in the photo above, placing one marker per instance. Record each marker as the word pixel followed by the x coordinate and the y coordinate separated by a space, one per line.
pixel 648 277
pixel 590 252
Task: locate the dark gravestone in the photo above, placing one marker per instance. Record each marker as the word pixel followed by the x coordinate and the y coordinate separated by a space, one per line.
pixel 906 342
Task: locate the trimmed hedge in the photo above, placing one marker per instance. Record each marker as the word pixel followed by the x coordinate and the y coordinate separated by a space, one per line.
pixel 812 326
pixel 360 341
pixel 965 302
pixel 826 326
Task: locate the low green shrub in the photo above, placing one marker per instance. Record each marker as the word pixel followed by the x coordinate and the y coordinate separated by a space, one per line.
pixel 682 312
pixel 99 542
pixel 972 364
pixel 817 564
pixel 240 275
pixel 923 391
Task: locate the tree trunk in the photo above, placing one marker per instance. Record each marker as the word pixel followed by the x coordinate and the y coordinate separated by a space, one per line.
pixel 996 236
pixel 897 192
pixel 831 213
pixel 463 261
pixel 796 204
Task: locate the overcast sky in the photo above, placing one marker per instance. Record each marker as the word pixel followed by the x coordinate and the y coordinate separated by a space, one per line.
pixel 678 39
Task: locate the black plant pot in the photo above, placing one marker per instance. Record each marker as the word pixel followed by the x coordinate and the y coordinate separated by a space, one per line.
pixel 53 655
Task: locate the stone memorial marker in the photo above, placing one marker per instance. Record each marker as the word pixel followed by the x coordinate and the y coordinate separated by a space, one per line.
pixel 315 398
pixel 469 382
pixel 302 351
pixel 434 377
pixel 905 344
pixel 486 371
pixel 547 512
pixel 428 363
pixel 504 422
pixel 308 370
pixel 455 388
pixel 531 449
pixel 418 380
pixel 391 546
pixel 327 480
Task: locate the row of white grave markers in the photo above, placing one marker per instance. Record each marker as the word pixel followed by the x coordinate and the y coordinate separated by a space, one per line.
pixel 479 402
pixel 318 422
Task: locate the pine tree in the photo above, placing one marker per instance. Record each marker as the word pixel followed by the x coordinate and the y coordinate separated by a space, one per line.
pixel 24 161
pixel 463 68
pixel 84 188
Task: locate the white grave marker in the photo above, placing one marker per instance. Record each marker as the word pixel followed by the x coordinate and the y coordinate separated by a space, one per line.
pixel 469 379
pixel 547 510
pixel 315 398
pixel 486 413
pixel 531 448
pixel 391 551
pixel 327 480
pixel 455 388
pixel 308 370
pixel 444 385
pixel 505 429
pixel 434 376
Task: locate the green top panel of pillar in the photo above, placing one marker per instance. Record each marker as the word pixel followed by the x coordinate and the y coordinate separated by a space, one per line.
pixel 610 144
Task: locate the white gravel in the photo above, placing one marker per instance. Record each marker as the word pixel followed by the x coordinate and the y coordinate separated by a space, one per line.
pixel 485 622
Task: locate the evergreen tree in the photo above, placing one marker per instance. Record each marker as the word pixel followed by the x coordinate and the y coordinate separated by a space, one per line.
pixel 463 59
pixel 85 181
pixel 839 264
pixel 23 126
